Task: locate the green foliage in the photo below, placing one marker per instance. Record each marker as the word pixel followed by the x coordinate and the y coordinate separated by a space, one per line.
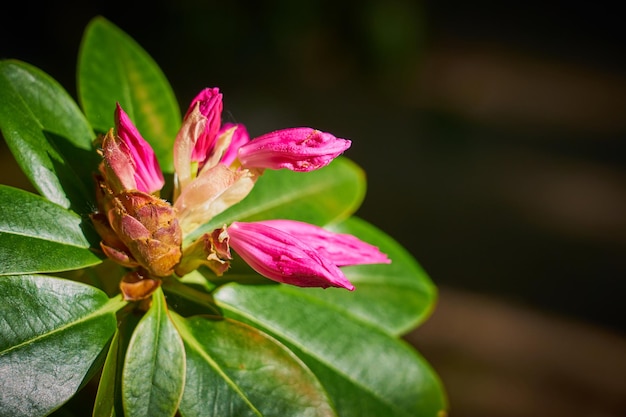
pixel 234 369
pixel 364 370
pixel 112 68
pixel 47 134
pixel 154 367
pixel 52 332
pixel 395 297
pixel 202 345
pixel 53 237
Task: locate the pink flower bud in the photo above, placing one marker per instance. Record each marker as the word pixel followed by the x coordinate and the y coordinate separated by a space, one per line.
pixel 197 138
pixel 298 149
pixel 281 257
pixel 341 248
pixel 209 102
pixel 128 153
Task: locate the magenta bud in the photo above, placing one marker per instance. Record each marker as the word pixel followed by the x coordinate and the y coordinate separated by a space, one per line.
pixel 341 248
pixel 281 257
pixel 129 157
pixel 298 149
pixel 209 104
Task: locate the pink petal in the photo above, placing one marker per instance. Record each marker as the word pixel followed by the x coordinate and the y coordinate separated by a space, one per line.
pixel 148 175
pixel 341 248
pixel 240 138
pixel 209 102
pixel 298 149
pixel 224 145
pixel 281 257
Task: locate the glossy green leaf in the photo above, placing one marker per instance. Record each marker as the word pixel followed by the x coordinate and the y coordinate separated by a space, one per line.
pixel 39 236
pixel 365 371
pixel 104 405
pixel 319 197
pixel 395 297
pixel 236 370
pixel 154 368
pixel 51 332
pixel 48 135
pixel 112 68
pixel 108 402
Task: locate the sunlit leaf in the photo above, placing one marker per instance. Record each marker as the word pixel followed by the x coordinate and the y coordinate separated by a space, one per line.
pixel 154 368
pixel 365 371
pixel 112 68
pixel 235 370
pixel 47 134
pixel 395 297
pixel 39 236
pixel 51 333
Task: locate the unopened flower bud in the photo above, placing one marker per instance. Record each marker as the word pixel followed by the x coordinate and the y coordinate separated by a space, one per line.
pixel 197 136
pixel 341 248
pixel 209 104
pixel 129 161
pixel 138 229
pixel 281 257
pixel 298 149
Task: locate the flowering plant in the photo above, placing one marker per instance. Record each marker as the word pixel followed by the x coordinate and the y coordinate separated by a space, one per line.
pixel 167 265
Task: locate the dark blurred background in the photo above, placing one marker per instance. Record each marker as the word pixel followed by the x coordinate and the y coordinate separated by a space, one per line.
pixel 493 135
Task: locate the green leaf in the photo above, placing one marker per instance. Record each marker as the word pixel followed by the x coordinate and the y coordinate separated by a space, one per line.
pixel 39 236
pixel 154 369
pixel 108 402
pixel 48 135
pixel 365 371
pixel 236 370
pixel 394 297
pixel 51 333
pixel 112 68
pixel 104 405
pixel 319 197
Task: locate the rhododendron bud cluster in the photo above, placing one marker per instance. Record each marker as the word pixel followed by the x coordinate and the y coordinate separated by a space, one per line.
pixel 216 166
